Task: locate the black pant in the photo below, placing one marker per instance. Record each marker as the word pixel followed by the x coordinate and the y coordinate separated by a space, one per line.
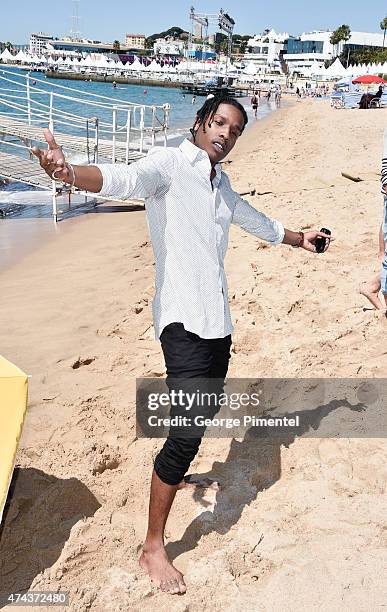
pixel 187 356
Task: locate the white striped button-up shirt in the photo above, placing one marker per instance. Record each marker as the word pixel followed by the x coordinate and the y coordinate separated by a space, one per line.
pixel 189 219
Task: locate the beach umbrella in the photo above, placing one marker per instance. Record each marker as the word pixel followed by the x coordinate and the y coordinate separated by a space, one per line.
pixel 13 406
pixel 368 79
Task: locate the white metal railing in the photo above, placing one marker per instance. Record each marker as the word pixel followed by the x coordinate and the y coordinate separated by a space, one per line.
pixel 100 125
pixel 39 106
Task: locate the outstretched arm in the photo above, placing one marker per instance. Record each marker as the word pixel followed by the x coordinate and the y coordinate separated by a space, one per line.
pixel 261 226
pixel 52 160
pixel 140 180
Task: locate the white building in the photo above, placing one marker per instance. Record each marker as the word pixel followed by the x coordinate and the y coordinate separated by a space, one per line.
pixel 135 41
pixel 168 46
pixel 38 43
pixel 264 50
pixel 310 47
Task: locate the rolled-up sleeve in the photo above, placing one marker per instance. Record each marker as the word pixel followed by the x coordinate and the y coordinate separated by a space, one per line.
pixel 257 223
pixel 139 180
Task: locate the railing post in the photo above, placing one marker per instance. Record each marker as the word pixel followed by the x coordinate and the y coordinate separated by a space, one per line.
pixel 96 142
pixel 114 126
pixel 128 128
pixel 50 115
pixel 153 125
pixel 28 98
pixel 166 108
pixel 142 111
pixel 54 201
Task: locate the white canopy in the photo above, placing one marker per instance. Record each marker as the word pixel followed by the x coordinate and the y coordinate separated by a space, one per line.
pixel 6 56
pixel 336 69
pixel 250 69
pixel 154 66
pixel 137 65
pixel 20 56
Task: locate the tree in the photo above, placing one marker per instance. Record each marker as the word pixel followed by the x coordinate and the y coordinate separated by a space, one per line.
pixel 383 26
pixel 116 45
pixel 341 33
pixel 6 45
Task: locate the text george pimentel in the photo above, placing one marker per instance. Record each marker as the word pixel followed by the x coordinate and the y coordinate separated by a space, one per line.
pixel 227 423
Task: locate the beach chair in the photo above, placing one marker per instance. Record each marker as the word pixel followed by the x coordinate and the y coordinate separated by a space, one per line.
pixel 13 406
pixel 374 103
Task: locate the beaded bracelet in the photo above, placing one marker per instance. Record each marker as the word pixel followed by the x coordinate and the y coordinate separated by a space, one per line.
pixel 70 167
pixel 300 240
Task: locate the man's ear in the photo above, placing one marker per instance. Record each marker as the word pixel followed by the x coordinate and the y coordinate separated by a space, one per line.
pixel 195 128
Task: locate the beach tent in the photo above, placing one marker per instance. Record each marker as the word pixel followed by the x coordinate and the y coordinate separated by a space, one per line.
pixel 336 69
pixel 314 69
pixel 6 56
pixel 153 66
pixel 184 66
pixel 137 65
pixel 251 69
pixel 20 57
pixel 13 406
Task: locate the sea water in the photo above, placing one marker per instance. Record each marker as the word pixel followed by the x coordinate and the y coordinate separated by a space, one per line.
pixel 23 202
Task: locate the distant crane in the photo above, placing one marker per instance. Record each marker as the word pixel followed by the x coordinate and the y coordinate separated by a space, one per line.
pixel 222 19
pixel 75 33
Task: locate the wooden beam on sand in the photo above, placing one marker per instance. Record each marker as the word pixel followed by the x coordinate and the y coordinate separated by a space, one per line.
pixel 351 177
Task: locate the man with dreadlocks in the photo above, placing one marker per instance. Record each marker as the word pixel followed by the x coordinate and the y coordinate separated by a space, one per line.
pixel 190 205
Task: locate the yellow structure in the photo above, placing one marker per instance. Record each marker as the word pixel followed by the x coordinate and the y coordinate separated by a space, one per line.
pixel 13 406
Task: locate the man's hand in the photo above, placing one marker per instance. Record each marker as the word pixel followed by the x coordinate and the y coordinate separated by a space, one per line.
pixel 310 241
pixel 52 159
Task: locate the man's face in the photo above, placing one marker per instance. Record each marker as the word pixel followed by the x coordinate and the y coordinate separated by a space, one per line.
pixel 220 136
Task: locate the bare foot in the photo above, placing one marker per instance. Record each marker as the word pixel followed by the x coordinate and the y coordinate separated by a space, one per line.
pixel 370 290
pixel 161 571
pixel 198 482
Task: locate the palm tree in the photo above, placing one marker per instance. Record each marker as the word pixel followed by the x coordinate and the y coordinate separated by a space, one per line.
pixel 116 45
pixel 335 39
pixel 345 34
pixel 342 33
pixel 383 26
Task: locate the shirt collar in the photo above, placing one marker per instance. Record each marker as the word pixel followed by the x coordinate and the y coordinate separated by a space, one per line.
pixel 197 156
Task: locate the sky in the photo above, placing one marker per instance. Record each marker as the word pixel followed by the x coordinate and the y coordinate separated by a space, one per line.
pixel 107 21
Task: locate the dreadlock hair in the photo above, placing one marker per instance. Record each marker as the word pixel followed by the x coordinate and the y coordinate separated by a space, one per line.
pixel 209 109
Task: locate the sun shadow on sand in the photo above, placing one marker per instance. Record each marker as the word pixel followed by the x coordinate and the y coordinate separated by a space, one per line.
pixel 38 519
pixel 252 465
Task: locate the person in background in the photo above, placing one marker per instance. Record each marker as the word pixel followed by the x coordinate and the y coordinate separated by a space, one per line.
pixel 370 289
pixel 254 103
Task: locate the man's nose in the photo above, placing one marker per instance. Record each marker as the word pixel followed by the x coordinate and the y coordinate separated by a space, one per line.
pixel 225 131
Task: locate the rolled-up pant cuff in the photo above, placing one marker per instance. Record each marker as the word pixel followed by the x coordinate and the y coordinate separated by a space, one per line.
pixel 174 459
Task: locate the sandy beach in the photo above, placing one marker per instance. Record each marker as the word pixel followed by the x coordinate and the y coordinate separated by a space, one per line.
pixel 299 524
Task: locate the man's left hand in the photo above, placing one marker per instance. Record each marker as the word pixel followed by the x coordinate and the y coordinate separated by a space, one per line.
pixel 309 243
